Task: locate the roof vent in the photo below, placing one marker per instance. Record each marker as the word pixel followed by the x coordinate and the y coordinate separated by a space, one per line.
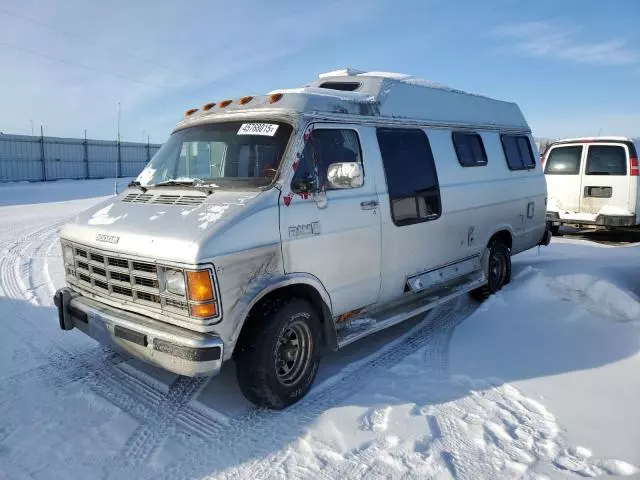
pixel 342 86
pixel 345 72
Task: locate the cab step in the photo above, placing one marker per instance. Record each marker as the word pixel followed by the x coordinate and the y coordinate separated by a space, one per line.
pixel 408 307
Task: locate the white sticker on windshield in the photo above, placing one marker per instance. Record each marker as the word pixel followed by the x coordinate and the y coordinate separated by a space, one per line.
pixel 266 129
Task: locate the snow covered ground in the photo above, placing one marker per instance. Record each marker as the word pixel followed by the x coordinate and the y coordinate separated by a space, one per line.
pixel 541 381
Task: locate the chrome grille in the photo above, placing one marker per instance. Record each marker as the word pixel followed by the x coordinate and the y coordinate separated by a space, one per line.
pixel 120 277
pixel 132 282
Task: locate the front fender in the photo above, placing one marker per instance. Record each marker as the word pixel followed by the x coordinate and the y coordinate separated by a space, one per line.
pixel 261 286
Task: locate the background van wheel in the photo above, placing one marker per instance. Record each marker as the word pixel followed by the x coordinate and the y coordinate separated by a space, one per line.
pixel 555 230
pixel 278 355
pixel 499 273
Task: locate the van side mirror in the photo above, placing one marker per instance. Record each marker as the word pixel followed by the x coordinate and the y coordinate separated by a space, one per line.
pixel 345 175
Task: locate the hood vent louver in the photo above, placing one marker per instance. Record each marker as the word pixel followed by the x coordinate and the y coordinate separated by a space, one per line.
pixel 137 198
pixel 164 199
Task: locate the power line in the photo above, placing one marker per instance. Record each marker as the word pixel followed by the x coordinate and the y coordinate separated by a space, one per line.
pixel 98 44
pixel 81 65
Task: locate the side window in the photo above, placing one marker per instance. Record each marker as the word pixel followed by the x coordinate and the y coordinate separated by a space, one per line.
pixel 470 149
pixel 518 152
pixel 564 161
pixel 324 147
pixel 606 160
pixel 411 175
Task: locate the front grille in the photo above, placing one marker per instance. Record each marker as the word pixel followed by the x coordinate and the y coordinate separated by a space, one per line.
pixel 124 278
pixel 129 281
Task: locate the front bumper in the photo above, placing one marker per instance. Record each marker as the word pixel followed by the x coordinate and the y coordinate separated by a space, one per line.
pixel 173 348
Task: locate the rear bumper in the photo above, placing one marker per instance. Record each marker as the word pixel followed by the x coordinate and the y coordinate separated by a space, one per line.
pixel 173 348
pixel 600 220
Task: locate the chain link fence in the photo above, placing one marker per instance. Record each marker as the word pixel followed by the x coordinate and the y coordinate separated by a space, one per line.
pixel 36 159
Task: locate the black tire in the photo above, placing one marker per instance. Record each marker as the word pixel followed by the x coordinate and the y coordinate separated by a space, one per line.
pixel 272 371
pixel 555 230
pixel 499 273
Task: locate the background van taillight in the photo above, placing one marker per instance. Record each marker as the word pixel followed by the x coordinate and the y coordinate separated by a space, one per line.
pixel 634 167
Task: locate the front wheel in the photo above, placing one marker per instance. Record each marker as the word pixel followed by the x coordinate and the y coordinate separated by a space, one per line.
pixel 279 354
pixel 499 272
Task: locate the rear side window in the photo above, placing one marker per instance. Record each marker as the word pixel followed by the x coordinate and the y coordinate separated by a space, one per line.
pixel 518 152
pixel 606 160
pixel 470 149
pixel 411 175
pixel 564 161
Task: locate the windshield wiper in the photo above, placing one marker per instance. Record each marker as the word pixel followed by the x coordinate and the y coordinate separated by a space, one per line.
pixel 197 184
pixel 135 183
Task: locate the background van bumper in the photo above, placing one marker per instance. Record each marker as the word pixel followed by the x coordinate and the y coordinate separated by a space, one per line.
pixel 600 220
pixel 173 348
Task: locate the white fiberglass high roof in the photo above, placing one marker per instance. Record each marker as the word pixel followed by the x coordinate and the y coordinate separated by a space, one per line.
pixel 382 94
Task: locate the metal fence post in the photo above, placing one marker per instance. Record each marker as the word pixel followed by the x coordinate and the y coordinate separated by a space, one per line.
pixel 42 158
pixel 86 156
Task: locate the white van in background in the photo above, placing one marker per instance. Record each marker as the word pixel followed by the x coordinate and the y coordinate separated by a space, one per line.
pixel 593 182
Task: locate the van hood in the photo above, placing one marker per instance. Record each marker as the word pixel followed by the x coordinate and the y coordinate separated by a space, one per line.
pixel 138 224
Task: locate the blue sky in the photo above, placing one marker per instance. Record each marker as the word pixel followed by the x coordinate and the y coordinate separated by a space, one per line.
pixel 572 66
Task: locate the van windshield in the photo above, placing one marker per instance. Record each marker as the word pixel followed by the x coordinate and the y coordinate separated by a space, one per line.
pixel 229 154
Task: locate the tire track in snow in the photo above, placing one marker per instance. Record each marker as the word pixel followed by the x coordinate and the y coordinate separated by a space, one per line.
pixel 242 430
pixel 97 367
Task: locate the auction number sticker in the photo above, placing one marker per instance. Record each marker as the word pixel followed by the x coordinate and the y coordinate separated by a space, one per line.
pixel 265 129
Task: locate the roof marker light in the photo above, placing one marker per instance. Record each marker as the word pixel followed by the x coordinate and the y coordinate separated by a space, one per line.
pixel 208 106
pixel 191 111
pixel 245 100
pixel 225 104
pixel 276 97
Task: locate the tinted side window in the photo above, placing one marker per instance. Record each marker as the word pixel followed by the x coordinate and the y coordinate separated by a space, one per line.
pixel 564 161
pixel 518 152
pixel 606 160
pixel 470 149
pixel 411 175
pixel 324 147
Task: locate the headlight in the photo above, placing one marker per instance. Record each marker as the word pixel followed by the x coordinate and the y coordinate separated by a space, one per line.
pixel 174 282
pixel 67 254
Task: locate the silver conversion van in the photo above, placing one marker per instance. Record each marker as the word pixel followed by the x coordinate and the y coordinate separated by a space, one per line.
pixel 593 182
pixel 269 228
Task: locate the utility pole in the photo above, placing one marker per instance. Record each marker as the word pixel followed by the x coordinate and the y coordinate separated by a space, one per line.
pixel 32 131
pixel 42 156
pixel 115 180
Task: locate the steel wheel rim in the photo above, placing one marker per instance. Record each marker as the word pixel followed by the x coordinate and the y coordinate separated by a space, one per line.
pixel 293 353
pixel 497 271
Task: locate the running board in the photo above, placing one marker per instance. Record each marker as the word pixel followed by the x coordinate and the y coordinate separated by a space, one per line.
pixel 369 323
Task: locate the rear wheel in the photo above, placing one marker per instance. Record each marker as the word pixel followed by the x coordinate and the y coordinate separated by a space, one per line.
pixel 279 353
pixel 499 271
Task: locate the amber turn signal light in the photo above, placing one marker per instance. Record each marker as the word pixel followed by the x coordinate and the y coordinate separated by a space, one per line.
pixel 203 310
pixel 199 285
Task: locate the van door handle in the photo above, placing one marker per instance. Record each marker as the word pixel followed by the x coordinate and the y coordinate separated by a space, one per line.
pixel 531 208
pixel 370 205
